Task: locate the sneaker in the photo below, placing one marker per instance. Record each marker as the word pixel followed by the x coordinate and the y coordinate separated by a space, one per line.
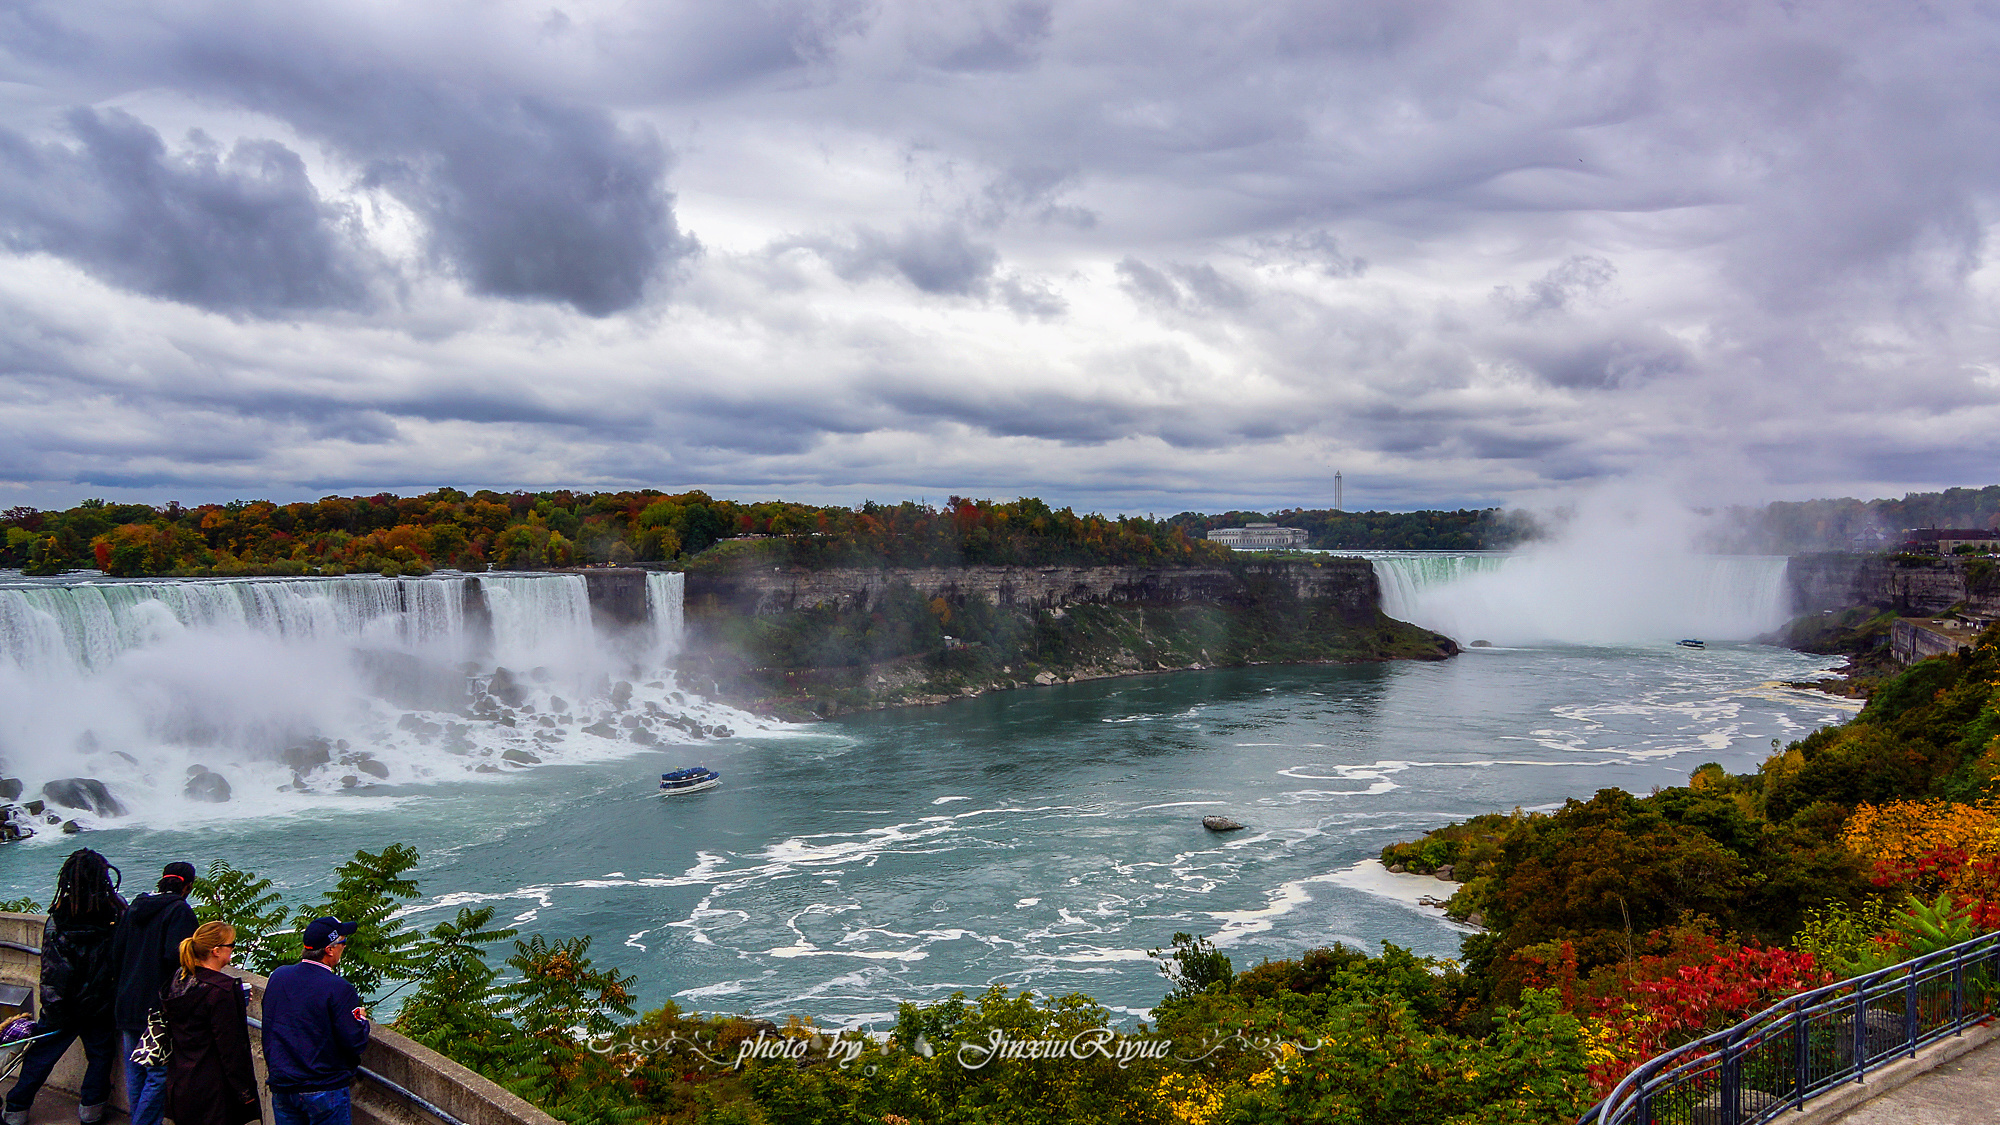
pixel 14 1117
pixel 87 1114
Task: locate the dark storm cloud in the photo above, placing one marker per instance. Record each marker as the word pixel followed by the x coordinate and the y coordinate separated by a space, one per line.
pixel 524 193
pixel 1572 280
pixel 939 258
pixel 526 197
pixel 1318 249
pixel 1181 286
pixel 235 231
pixel 1034 190
pixel 1006 38
pixel 531 199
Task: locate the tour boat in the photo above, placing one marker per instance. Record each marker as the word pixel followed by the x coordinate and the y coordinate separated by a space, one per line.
pixel 1690 643
pixel 693 779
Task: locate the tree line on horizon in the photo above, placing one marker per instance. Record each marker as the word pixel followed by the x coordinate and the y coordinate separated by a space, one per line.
pixel 1794 527
pixel 450 529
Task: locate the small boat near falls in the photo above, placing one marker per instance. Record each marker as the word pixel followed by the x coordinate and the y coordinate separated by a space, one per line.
pixel 693 779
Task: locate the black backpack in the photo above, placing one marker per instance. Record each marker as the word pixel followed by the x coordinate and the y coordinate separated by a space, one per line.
pixel 79 977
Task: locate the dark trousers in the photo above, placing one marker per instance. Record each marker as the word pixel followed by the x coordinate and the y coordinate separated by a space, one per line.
pixel 321 1107
pixel 100 1050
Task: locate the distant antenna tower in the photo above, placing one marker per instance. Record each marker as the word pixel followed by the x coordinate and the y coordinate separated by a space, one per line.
pixel 1336 491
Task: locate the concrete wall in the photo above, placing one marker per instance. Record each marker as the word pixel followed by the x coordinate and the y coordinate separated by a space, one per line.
pixel 1911 641
pixel 416 1068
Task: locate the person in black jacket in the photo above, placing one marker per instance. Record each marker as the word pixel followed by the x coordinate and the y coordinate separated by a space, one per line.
pixel 211 1080
pixel 147 949
pixel 79 981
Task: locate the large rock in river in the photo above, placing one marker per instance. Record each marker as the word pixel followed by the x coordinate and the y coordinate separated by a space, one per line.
pixel 84 793
pixel 204 784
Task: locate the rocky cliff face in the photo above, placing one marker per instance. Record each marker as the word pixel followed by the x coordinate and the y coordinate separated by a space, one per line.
pixel 798 642
pixel 1906 585
pixel 1347 583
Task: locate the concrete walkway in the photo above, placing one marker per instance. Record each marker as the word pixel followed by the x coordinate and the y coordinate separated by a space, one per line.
pixel 53 1107
pixel 1962 1091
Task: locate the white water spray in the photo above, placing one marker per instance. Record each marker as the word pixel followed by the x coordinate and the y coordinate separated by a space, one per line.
pixel 280 693
pixel 1619 573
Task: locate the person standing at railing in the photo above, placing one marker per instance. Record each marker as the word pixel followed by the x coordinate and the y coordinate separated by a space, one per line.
pixel 79 981
pixel 314 1029
pixel 210 1078
pixel 147 948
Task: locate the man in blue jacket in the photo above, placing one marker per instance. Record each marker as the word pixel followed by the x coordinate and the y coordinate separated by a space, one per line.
pixel 314 1029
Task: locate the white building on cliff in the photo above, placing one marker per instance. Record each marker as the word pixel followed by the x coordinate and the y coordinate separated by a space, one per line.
pixel 1259 537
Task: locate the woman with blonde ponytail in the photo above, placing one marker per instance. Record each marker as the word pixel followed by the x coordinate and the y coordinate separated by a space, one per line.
pixel 210 1080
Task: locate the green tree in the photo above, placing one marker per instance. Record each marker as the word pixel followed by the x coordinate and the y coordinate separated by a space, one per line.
pixel 263 940
pixel 368 891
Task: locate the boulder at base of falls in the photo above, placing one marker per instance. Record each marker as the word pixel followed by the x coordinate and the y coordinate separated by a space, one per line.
pixel 520 758
pixel 308 755
pixel 505 688
pixel 84 793
pixel 1219 824
pixel 10 788
pixel 204 784
pixel 372 768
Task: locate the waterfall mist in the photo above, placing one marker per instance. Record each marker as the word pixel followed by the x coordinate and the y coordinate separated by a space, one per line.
pixel 1619 571
pixel 193 699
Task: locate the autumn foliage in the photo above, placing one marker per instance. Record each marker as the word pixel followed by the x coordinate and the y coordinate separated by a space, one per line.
pixel 527 531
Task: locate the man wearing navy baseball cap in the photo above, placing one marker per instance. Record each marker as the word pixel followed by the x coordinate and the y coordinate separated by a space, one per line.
pixel 314 1029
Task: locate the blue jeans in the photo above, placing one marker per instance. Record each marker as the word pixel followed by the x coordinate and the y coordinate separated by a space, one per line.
pixel 41 1058
pixel 320 1107
pixel 145 1086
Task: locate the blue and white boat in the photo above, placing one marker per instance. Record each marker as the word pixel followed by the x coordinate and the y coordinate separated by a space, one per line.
pixel 1691 643
pixel 693 779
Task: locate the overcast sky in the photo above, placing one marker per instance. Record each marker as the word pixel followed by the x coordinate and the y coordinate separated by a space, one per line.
pixel 1132 256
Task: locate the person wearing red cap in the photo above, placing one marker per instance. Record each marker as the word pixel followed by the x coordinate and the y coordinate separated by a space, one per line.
pixel 314 1029
pixel 147 952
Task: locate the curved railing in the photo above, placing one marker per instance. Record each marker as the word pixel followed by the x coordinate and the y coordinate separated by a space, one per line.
pixel 1810 1044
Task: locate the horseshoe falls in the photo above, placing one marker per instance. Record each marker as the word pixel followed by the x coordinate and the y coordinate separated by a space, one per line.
pixel 1566 596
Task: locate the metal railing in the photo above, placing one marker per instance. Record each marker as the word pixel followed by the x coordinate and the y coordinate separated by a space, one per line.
pixel 1811 1043
pixel 404 1092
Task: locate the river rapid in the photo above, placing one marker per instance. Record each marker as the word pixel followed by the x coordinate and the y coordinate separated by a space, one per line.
pixel 1042 838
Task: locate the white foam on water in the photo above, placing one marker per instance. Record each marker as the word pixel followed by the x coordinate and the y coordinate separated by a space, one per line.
pixel 1370 877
